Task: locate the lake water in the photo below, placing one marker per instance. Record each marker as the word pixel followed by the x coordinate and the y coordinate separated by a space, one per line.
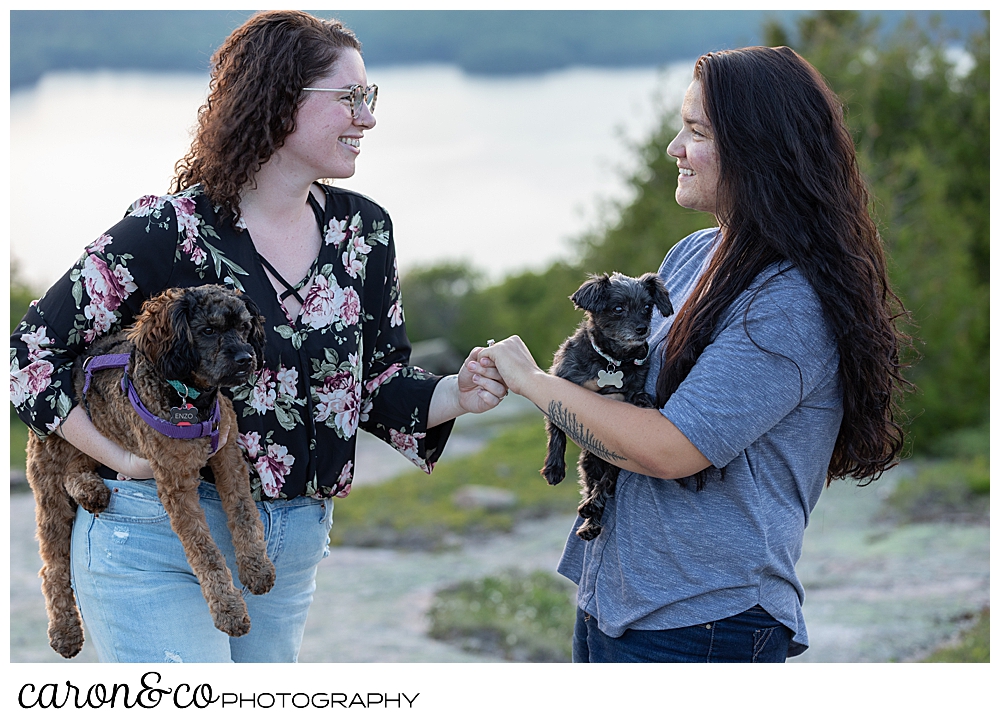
pixel 500 172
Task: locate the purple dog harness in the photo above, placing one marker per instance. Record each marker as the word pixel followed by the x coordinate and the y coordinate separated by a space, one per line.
pixel 183 430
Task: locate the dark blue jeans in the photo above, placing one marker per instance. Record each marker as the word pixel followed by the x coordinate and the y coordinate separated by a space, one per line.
pixel 752 636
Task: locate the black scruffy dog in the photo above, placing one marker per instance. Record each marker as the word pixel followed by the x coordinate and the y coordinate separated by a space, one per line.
pixel 607 354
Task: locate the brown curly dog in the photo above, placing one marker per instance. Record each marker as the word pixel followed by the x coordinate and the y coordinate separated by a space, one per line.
pixel 204 339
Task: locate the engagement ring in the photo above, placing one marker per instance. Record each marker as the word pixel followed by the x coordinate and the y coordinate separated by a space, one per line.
pixel 490 342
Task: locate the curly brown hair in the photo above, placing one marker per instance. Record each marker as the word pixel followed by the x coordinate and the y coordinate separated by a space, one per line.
pixel 256 86
pixel 790 190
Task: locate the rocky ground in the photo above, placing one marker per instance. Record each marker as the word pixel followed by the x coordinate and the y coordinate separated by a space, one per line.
pixel 874 592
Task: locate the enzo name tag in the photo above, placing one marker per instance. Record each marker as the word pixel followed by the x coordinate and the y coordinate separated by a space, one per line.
pixel 183 416
pixel 609 380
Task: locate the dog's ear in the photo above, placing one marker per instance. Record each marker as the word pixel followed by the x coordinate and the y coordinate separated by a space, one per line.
pixel 256 337
pixel 181 357
pixel 162 333
pixel 657 293
pixel 592 296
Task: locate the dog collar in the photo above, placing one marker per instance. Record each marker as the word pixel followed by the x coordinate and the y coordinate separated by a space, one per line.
pixel 192 430
pixel 615 362
pixel 184 390
pixel 613 376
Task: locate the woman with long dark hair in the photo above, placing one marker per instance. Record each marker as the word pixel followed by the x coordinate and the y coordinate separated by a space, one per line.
pixel 289 103
pixel 778 372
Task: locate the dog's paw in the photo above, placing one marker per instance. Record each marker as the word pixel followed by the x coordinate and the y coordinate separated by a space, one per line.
pixel 257 578
pixel 66 639
pixel 588 530
pixel 89 491
pixel 94 499
pixel 554 473
pixel 642 399
pixel 230 616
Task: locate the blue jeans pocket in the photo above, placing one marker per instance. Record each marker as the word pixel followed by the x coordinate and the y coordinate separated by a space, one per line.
pixel 760 639
pixel 770 638
pixel 132 533
pixel 133 501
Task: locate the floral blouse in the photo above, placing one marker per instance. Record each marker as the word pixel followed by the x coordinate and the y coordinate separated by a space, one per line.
pixel 342 364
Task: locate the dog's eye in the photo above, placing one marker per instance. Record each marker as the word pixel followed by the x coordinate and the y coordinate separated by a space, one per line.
pixel 619 309
pixel 208 331
pixel 648 307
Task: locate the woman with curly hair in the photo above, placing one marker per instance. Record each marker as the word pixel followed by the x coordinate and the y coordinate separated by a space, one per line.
pixel 289 104
pixel 778 372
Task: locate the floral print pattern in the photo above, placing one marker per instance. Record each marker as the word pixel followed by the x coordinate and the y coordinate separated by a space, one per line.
pixel 396 310
pixel 26 384
pixel 323 303
pixel 273 392
pixel 36 378
pixel 344 480
pixel 37 341
pixel 106 288
pixel 337 396
pixel 340 365
pixel 270 461
pixel 272 469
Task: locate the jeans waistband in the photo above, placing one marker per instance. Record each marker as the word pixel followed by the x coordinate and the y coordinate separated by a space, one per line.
pixel 108 473
pixel 208 491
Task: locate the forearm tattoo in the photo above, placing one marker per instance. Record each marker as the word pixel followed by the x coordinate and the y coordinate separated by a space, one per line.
pixel 566 421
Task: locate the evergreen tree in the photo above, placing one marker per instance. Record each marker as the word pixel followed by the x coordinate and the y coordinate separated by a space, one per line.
pixel 921 124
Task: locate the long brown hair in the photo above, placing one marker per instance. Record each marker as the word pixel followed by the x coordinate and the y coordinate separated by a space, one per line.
pixel 790 190
pixel 256 86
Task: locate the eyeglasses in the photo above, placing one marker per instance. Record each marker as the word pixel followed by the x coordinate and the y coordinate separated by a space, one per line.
pixel 358 94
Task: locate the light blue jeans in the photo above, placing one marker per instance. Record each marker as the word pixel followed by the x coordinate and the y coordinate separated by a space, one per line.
pixel 141 603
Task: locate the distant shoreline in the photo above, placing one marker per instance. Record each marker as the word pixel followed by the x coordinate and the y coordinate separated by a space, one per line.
pixel 480 42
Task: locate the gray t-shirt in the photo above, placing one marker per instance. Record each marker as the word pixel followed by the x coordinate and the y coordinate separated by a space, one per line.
pixel 763 403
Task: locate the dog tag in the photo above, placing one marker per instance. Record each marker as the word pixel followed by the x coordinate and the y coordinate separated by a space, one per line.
pixel 604 379
pixel 183 416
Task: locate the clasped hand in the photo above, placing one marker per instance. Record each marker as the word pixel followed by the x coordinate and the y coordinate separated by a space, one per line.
pixel 480 386
pixel 513 361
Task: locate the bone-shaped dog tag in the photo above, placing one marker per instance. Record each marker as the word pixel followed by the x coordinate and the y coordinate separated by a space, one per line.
pixel 183 416
pixel 604 379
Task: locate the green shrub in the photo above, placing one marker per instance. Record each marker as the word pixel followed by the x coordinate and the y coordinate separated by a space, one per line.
pixel 972 647
pixel 451 301
pixel 954 490
pixel 21 296
pixel 18 442
pixel 922 133
pixel 968 443
pixel 418 510
pixel 514 615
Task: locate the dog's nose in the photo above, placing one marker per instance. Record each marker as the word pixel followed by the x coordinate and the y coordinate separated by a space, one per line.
pixel 641 330
pixel 243 359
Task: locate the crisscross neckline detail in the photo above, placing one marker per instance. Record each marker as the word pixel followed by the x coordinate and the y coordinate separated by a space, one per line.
pixel 290 289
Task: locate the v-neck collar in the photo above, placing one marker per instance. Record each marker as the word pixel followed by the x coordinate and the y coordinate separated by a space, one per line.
pixel 265 266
